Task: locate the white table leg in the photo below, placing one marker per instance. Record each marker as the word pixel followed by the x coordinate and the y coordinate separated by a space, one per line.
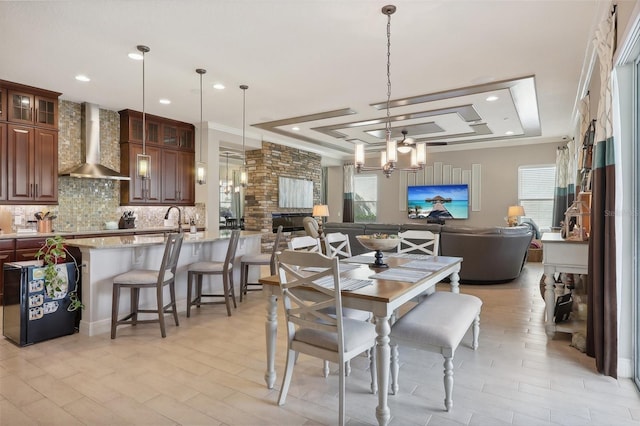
pixel 550 301
pixel 383 414
pixel 271 328
pixel 454 280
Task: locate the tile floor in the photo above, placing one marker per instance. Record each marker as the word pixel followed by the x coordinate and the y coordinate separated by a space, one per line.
pixel 209 371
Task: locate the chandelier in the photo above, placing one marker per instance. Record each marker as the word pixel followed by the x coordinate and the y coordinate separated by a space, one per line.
pixel 389 158
pixel 143 161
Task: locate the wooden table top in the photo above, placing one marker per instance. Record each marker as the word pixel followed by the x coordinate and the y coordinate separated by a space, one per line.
pixel 381 290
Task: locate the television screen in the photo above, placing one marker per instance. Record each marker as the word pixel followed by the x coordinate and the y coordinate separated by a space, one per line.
pixel 438 202
pixel 295 193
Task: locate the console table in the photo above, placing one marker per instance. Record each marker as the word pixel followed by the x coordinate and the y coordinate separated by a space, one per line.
pixel 561 255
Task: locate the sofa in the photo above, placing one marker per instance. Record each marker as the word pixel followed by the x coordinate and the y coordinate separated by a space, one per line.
pixel 491 254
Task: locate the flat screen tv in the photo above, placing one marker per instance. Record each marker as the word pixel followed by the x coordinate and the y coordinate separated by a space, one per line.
pixel 295 193
pixel 439 202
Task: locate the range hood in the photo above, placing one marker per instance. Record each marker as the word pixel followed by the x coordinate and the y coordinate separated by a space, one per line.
pixel 90 145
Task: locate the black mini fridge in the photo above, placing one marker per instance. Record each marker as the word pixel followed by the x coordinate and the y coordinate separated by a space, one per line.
pixel 29 315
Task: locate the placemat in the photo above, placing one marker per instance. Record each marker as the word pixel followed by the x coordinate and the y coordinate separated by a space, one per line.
pixel 347 284
pixel 400 274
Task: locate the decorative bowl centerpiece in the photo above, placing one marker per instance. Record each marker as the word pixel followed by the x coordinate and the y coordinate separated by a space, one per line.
pixel 379 243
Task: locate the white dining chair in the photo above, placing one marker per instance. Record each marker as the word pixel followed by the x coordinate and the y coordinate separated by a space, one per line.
pixel 304 243
pixel 419 242
pixel 336 244
pixel 310 330
pixel 261 259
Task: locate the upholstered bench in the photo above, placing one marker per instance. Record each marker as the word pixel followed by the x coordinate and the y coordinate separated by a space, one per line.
pixel 437 324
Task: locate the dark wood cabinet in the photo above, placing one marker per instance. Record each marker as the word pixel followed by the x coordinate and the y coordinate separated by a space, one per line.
pixel 27 108
pixel 28 144
pixel 171 145
pixel 26 248
pixel 32 155
pixel 178 177
pixel 7 254
pixel 137 191
pixel 3 162
pixel 3 104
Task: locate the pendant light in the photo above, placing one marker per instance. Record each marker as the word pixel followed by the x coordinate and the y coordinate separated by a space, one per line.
pixel 389 158
pixel 143 161
pixel 243 173
pixel 226 185
pixel 201 167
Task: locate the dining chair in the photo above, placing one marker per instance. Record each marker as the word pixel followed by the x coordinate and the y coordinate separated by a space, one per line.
pixel 419 242
pixel 310 330
pixel 305 243
pixel 337 244
pixel 198 270
pixel 138 279
pixel 258 260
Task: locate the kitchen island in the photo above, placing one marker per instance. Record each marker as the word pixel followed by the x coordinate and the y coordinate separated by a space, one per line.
pixel 103 258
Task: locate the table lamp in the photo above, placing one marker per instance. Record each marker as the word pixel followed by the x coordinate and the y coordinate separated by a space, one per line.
pixel 321 211
pixel 513 213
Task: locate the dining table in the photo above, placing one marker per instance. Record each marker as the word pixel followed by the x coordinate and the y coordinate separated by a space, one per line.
pixel 407 277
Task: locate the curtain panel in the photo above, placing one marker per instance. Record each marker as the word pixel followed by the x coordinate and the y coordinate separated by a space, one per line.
pixel 602 318
pixel 347 204
pixel 564 193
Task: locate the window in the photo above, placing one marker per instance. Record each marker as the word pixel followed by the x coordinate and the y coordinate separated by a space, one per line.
pixel 365 198
pixel 536 186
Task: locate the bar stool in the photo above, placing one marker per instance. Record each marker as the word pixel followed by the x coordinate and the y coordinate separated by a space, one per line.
pixel 137 279
pixel 199 269
pixel 258 260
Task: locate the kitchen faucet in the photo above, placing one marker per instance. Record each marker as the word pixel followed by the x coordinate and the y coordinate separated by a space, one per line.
pixel 166 216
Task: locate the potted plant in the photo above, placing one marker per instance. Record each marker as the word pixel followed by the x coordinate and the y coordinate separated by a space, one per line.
pixel 52 253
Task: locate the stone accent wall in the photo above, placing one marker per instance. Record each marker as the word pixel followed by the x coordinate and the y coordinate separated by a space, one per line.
pixel 264 167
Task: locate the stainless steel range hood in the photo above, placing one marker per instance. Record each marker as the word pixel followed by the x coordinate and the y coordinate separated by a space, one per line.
pixel 90 144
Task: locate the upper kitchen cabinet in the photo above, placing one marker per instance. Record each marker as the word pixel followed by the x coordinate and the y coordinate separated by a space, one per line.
pixel 171 146
pixel 160 130
pixel 3 161
pixel 3 104
pixel 27 108
pixel 178 177
pixel 32 155
pixel 28 144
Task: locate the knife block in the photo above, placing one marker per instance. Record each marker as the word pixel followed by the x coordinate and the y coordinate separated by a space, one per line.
pixel 128 223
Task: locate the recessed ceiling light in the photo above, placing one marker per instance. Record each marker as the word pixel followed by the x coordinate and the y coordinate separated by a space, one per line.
pixel 135 56
pixel 81 77
pixel 165 101
pixel 492 98
pixel 218 86
pixel 295 129
pixel 508 133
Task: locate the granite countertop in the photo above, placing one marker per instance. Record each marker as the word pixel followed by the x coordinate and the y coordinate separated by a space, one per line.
pixel 124 241
pixel 79 234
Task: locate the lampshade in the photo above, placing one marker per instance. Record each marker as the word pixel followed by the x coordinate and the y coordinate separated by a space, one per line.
pixel 515 211
pixel 321 210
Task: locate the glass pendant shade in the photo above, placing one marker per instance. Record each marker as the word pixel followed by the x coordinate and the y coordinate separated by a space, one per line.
pixel 243 177
pixel 360 154
pixel 143 166
pixel 201 173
